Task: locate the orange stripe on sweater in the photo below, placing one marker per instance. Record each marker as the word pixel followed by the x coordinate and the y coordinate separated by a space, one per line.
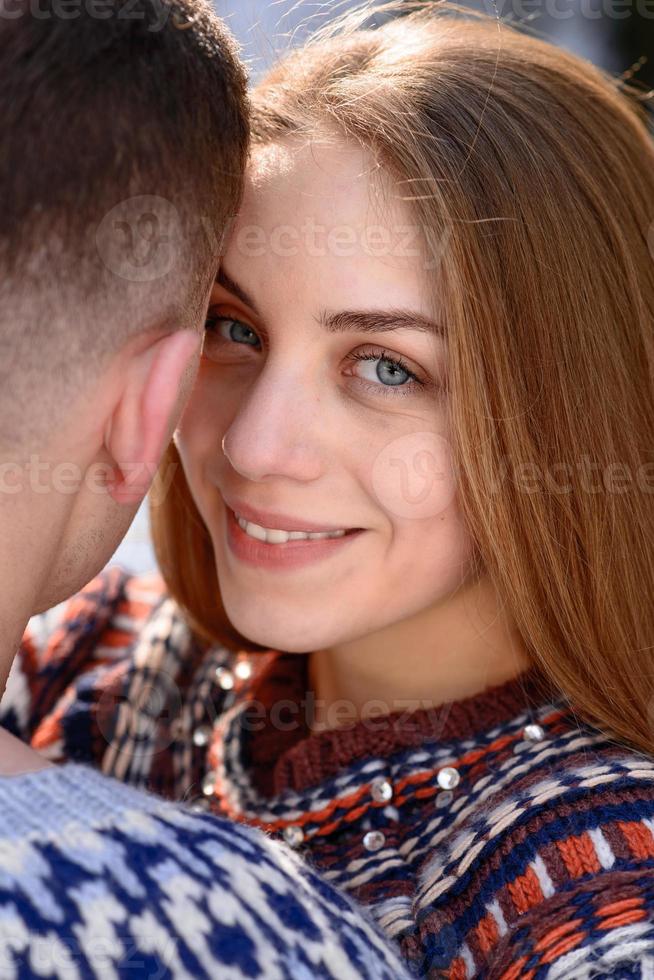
pixel 638 837
pixel 515 971
pixel 624 912
pixel 626 919
pixel 49 730
pixel 555 934
pixel 457 970
pixel 563 947
pixel 115 638
pixel 525 891
pixel 579 855
pixel 622 905
pixel 487 933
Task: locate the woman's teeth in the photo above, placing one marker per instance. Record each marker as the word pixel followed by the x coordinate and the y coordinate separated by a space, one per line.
pixel 272 536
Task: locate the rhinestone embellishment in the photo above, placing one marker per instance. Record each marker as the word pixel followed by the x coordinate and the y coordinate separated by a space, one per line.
pixel 533 732
pixel 201 736
pixel 225 678
pixel 373 840
pixel 293 835
pixel 381 790
pixel 243 670
pixel 448 778
pixel 209 783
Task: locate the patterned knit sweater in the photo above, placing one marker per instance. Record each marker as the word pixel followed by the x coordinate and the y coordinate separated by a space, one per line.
pixel 493 837
pixel 101 880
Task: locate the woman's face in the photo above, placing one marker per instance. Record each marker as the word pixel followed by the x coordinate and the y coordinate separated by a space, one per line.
pixel 322 376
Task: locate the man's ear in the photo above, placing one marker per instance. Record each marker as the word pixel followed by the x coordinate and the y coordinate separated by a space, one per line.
pixel 157 382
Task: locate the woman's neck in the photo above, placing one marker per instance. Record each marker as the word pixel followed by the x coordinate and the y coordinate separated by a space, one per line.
pixel 452 650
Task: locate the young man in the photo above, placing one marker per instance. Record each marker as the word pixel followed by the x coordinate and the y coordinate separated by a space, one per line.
pixel 124 140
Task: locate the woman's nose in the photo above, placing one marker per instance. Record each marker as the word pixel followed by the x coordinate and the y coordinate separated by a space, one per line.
pixel 277 432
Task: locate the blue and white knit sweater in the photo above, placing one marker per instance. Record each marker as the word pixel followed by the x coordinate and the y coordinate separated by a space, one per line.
pixel 98 879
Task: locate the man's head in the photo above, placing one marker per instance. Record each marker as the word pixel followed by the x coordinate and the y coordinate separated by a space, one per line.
pixel 125 133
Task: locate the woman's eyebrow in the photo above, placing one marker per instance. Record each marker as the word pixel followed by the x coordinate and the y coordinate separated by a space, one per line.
pixel 232 287
pixel 354 321
pixel 378 321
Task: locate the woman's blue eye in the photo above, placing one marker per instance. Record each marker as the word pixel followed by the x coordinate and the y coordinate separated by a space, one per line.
pixel 390 373
pixel 230 329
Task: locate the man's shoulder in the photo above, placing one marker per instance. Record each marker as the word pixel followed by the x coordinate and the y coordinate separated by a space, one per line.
pixel 76 845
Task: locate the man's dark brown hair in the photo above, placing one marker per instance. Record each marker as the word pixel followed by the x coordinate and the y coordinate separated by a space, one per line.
pixel 124 139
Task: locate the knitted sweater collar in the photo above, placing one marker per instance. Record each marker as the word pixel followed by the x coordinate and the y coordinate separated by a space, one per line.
pixel 266 749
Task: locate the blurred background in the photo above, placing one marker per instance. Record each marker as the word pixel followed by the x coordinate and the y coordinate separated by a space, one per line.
pixel 615 34
pixel 618 35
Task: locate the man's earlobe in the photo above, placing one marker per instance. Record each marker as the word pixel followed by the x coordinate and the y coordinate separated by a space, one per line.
pixel 157 383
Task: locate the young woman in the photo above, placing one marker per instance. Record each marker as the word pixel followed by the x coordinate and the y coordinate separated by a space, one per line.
pixel 406 525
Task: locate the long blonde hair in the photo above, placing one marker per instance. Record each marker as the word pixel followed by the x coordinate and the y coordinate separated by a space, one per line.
pixel 537 171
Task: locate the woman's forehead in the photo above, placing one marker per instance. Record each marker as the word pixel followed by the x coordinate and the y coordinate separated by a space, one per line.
pixel 322 218
pixel 331 180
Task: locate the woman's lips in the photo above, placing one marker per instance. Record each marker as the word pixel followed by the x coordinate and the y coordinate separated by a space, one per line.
pixel 291 554
pixel 282 522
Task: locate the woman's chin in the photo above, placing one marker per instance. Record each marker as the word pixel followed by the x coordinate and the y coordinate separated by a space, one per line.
pixel 275 639
pixel 257 626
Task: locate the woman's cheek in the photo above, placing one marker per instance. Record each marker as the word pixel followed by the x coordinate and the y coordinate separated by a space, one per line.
pixel 413 477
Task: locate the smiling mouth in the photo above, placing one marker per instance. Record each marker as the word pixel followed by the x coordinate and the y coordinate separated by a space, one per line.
pixel 279 536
